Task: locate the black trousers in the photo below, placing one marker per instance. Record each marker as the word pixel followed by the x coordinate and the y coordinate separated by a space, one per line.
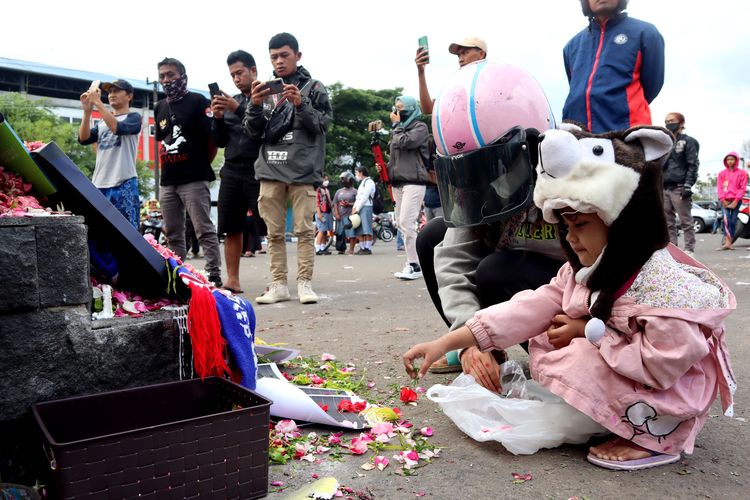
pixel 499 275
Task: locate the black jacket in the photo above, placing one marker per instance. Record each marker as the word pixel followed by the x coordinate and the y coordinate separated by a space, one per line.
pixel 229 134
pixel 681 169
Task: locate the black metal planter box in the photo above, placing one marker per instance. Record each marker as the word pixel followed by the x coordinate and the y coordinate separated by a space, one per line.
pixel 187 439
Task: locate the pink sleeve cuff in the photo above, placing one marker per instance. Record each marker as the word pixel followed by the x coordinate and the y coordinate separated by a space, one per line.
pixel 481 335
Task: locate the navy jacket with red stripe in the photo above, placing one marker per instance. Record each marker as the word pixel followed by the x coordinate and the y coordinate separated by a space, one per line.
pixel 615 70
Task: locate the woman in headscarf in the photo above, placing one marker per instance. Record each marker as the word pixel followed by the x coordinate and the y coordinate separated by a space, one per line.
pixel 408 175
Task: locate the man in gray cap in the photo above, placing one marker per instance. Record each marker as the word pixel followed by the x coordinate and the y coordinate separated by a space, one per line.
pixel 468 50
pixel 116 136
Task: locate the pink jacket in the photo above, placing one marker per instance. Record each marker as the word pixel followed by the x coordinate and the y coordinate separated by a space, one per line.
pixel 656 372
pixel 732 182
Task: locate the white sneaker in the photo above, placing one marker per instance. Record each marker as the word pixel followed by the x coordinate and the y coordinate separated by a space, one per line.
pixel 408 273
pixel 276 292
pixel 305 292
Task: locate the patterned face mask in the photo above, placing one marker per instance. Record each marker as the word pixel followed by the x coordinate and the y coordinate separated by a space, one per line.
pixel 176 89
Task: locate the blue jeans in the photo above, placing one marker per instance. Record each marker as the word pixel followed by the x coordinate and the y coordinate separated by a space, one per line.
pixel 730 220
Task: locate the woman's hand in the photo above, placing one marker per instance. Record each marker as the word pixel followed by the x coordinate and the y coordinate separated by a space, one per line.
pixel 483 367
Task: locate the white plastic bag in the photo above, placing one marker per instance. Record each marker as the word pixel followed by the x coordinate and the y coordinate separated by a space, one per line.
pixel 531 419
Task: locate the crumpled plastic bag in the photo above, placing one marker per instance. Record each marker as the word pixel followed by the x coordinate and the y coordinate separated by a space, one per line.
pixel 524 418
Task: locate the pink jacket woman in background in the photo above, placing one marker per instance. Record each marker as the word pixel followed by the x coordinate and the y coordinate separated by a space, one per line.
pixel 731 185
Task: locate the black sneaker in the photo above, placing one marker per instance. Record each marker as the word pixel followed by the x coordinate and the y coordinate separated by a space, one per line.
pixel 322 252
pixel 364 251
pixel 216 280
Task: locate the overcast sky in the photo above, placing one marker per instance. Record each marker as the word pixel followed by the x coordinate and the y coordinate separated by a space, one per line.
pixel 372 44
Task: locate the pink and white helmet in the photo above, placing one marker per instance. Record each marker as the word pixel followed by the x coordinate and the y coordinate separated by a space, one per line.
pixel 483 100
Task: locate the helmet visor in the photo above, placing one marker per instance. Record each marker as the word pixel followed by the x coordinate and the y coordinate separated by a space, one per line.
pixel 488 184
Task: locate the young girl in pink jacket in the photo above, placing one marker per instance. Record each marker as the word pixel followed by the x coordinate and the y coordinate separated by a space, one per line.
pixel 731 185
pixel 631 330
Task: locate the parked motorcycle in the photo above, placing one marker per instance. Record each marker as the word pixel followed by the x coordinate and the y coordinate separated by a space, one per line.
pixel 383 228
pixel 152 224
pixel 742 229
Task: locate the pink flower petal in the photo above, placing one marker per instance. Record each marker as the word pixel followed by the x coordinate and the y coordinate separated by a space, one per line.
pixel 328 357
pixel 426 431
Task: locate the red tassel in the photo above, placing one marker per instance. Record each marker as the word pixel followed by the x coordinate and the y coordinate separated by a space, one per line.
pixel 209 348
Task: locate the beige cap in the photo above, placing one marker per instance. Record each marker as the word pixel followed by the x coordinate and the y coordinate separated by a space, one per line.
pixel 471 41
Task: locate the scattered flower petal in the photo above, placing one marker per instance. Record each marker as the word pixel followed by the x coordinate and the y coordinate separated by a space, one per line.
pixel 408 395
pixel 327 357
pixel 426 431
pixel 381 462
pixel 521 478
pixel 286 426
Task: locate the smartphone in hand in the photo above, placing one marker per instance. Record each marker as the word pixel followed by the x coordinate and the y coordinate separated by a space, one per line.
pixel 276 86
pixel 213 89
pixel 423 45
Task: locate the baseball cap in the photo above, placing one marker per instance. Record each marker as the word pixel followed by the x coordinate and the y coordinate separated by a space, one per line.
pixel 471 41
pixel 120 84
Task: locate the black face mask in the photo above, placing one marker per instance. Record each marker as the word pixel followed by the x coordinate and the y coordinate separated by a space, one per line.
pixel 673 127
pixel 404 115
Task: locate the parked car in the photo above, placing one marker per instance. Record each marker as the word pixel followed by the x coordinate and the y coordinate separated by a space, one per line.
pixel 703 218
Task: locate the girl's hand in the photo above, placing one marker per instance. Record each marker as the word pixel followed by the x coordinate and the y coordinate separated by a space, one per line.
pixel 564 329
pixel 430 351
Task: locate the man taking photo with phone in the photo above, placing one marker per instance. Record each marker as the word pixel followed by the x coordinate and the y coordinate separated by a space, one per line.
pixel 239 190
pixel 292 126
pixel 468 50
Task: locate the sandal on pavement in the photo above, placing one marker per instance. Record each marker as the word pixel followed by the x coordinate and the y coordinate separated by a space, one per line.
pixel 235 291
pixel 654 460
pixel 449 364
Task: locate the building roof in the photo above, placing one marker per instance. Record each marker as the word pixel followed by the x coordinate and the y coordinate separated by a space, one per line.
pixel 76 74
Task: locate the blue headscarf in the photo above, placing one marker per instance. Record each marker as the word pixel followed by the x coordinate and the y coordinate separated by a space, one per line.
pixel 410 105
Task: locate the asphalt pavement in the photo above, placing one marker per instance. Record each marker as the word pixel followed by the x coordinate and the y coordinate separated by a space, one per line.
pixel 370 318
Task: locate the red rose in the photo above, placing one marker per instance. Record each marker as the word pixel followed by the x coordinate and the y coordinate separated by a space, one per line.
pixel 408 395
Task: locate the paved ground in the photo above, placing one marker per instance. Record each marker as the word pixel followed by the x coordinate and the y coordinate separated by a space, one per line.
pixel 368 317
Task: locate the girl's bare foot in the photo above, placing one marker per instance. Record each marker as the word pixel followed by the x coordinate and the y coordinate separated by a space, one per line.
pixel 619 449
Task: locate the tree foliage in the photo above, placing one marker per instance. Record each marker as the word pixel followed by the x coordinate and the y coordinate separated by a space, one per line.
pixel 33 120
pixel 348 141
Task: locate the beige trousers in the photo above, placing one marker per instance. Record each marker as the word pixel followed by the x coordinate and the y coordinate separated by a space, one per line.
pixel 272 204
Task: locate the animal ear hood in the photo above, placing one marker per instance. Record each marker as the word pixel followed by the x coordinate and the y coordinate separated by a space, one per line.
pixel 594 173
pixel 616 175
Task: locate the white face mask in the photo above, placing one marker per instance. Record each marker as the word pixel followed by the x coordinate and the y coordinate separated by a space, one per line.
pixel 325 184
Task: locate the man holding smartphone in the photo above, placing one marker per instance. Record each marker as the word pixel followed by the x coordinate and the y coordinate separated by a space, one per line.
pixel 468 50
pixel 239 190
pixel 292 126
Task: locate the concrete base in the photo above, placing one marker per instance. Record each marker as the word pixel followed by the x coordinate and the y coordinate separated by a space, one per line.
pixel 49 346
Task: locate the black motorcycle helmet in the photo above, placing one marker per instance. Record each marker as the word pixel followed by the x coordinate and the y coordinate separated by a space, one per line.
pixel 622 5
